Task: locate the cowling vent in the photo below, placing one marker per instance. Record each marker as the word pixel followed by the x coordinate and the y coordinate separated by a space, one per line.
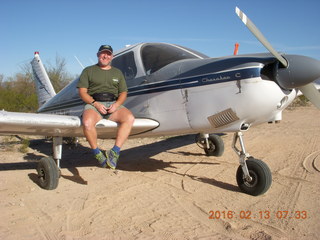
pixel 223 118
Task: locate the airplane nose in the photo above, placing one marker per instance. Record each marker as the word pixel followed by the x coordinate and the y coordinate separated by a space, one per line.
pixel 300 71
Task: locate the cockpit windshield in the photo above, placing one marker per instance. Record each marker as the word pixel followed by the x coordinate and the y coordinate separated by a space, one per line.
pixel 157 55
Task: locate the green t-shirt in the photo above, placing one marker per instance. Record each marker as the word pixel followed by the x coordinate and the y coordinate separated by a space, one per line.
pixel 97 80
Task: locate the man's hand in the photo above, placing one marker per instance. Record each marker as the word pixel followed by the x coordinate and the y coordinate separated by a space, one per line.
pixel 112 108
pixel 101 108
pixel 105 110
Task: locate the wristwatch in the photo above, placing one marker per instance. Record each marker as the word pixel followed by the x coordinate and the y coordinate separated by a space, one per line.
pixel 93 102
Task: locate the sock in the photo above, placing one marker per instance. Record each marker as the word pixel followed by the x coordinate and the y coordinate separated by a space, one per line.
pixel 116 149
pixel 96 151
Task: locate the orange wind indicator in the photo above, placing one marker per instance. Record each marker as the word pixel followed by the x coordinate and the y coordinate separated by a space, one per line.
pixel 236 47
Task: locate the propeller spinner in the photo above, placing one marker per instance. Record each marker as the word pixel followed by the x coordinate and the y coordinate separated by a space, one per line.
pixel 294 71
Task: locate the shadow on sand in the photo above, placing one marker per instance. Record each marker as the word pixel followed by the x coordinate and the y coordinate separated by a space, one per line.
pixel 138 158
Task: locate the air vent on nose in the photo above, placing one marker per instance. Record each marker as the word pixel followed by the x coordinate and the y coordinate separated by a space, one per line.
pixel 223 118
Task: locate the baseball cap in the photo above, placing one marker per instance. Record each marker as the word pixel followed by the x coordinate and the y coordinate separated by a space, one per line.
pixel 105 48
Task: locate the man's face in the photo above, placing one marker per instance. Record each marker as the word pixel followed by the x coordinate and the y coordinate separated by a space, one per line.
pixel 105 58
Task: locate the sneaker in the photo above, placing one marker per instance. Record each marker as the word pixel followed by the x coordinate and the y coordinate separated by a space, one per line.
pixel 101 159
pixel 112 159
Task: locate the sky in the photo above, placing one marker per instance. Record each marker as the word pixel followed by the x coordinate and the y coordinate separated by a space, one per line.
pixel 71 29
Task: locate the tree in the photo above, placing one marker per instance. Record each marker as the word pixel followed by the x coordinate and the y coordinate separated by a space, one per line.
pixel 18 93
pixel 58 74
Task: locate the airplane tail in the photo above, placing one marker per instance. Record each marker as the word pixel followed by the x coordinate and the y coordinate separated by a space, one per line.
pixel 44 87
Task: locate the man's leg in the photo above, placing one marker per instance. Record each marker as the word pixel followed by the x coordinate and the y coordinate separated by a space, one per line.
pixel 89 120
pixel 125 120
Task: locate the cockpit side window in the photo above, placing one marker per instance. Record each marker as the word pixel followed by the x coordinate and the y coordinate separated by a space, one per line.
pixel 126 64
pixel 156 56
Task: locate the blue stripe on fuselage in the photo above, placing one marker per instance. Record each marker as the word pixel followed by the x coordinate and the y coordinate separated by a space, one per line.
pixel 195 81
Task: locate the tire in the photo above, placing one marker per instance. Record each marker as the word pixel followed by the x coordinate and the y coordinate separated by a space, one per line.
pixel 48 173
pixel 261 177
pixel 216 146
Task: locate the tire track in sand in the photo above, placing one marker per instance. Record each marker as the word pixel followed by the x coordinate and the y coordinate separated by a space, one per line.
pixel 222 228
pixel 196 212
pixel 43 220
pixel 76 226
pixel 289 196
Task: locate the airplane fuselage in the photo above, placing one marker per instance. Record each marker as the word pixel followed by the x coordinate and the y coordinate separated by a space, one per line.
pixel 194 95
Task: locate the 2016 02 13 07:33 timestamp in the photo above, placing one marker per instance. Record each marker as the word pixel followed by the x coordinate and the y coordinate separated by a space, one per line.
pixel 265 214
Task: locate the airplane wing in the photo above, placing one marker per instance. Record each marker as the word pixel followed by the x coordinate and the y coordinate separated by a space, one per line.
pixel 61 125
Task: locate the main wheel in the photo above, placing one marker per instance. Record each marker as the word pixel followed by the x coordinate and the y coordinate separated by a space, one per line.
pixel 48 173
pixel 260 174
pixel 216 145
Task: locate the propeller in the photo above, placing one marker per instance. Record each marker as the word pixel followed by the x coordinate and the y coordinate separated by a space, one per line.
pixel 295 71
pixel 311 93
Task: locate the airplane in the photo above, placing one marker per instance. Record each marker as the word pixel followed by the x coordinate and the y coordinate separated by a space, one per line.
pixel 174 90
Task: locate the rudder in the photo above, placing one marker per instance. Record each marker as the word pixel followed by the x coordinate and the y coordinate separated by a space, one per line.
pixel 44 87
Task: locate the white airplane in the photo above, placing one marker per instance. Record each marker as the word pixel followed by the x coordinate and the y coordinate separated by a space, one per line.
pixel 173 90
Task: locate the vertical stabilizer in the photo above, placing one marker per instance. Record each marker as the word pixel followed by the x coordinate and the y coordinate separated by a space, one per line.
pixel 44 87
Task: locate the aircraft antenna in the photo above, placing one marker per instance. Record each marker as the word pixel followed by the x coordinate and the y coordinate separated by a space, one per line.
pixel 79 62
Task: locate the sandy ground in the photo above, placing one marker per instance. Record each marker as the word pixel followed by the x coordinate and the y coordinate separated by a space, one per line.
pixel 166 188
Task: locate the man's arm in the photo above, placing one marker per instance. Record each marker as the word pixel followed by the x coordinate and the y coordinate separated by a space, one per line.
pixel 83 92
pixel 121 98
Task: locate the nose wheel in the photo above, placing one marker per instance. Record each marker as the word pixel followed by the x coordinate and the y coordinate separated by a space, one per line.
pixel 253 175
pixel 260 177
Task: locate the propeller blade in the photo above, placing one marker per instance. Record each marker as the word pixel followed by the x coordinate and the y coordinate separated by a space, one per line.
pixel 311 92
pixel 301 72
pixel 260 36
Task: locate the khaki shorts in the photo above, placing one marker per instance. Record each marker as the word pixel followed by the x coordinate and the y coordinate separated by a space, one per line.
pixel 107 104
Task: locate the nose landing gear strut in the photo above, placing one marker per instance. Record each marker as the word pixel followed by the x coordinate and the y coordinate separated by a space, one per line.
pixel 253 175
